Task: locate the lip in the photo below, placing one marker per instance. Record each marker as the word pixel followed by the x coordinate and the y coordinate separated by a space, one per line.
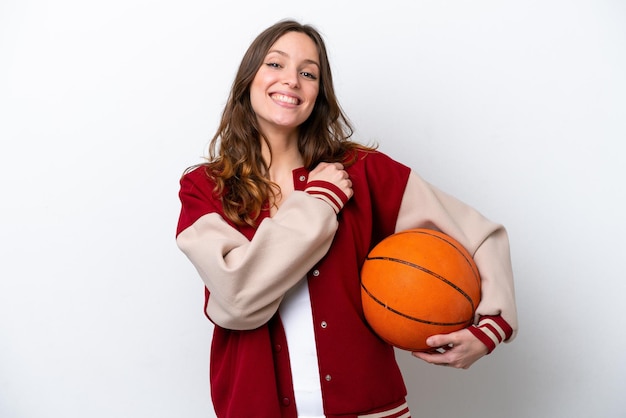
pixel 285 99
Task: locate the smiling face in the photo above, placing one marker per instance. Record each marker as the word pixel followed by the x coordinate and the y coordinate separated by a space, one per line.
pixel 285 87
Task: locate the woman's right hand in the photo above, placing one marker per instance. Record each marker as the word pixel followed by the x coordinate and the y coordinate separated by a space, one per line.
pixel 333 173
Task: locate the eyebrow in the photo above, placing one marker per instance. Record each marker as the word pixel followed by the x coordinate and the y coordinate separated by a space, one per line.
pixel 278 51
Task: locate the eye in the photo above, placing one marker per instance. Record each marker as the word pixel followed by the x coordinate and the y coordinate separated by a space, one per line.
pixel 273 64
pixel 308 75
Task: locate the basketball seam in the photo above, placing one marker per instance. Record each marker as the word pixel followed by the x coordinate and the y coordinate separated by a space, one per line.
pixel 453 244
pixel 423 321
pixel 427 271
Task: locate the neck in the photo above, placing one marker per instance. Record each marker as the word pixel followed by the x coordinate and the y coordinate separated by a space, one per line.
pixel 284 156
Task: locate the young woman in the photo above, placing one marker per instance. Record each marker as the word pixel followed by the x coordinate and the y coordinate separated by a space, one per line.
pixel 278 223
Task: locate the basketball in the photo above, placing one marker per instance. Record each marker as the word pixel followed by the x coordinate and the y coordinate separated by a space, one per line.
pixel 417 283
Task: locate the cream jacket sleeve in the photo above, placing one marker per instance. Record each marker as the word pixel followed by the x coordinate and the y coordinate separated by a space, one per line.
pixel 248 279
pixel 424 206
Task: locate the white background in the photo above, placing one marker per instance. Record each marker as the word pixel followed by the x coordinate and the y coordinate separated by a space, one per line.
pixel 516 107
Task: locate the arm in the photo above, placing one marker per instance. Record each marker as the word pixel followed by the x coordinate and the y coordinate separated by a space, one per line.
pixel 424 206
pixel 248 278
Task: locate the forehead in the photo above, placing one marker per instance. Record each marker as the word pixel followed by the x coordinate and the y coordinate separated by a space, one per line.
pixel 296 45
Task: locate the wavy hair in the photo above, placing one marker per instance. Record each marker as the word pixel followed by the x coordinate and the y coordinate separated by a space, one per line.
pixel 235 162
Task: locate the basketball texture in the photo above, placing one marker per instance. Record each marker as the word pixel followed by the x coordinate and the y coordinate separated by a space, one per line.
pixel 417 283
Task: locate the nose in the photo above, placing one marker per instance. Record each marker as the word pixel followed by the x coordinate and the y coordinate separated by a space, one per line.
pixel 291 78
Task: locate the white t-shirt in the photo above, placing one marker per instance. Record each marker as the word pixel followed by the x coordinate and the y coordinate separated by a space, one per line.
pixel 297 317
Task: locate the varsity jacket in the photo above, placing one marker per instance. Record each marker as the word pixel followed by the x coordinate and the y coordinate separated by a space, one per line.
pixel 247 271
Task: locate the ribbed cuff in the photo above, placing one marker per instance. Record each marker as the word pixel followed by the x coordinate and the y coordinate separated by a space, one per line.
pixel 327 192
pixel 491 331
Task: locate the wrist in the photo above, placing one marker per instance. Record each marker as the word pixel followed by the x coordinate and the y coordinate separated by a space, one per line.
pixel 327 192
pixel 491 331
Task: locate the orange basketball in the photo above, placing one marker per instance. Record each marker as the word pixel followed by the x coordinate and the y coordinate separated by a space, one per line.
pixel 418 283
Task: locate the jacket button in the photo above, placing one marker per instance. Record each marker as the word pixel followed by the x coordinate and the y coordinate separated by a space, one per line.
pixel 323 324
pixel 328 377
pixel 316 273
pixel 302 178
pixel 277 348
pixel 286 401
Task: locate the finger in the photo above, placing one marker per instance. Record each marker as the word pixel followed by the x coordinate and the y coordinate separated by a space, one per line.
pixel 435 359
pixel 440 340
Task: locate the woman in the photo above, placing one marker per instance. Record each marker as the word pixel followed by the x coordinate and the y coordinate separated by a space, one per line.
pixel 278 223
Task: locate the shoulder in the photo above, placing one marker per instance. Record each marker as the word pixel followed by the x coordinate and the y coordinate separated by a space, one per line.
pixel 196 179
pixel 196 173
pixel 374 161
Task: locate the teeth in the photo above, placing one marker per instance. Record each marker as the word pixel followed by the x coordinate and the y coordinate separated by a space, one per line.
pixel 285 99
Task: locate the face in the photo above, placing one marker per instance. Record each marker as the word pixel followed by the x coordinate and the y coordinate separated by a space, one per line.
pixel 285 87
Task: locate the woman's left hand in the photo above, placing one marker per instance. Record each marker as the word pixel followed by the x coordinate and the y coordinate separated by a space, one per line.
pixel 458 349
